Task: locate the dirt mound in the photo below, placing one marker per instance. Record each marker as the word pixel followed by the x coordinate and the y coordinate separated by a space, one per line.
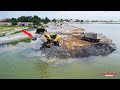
pixel 73 43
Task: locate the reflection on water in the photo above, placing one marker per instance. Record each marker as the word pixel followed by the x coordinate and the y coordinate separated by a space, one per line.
pixel 25 60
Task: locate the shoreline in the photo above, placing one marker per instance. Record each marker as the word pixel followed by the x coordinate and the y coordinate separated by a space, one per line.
pixel 15 36
pixel 92 23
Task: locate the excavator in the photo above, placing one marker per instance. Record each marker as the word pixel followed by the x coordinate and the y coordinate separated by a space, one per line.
pixel 52 40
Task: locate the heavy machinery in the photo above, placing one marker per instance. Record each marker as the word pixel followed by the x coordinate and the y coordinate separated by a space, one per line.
pixel 91 37
pixel 40 31
pixel 52 40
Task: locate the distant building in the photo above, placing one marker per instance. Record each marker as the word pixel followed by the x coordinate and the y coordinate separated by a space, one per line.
pixel 5 20
pixel 5 24
pixel 25 23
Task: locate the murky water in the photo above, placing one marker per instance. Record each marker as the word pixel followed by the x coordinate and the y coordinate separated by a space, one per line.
pixel 26 61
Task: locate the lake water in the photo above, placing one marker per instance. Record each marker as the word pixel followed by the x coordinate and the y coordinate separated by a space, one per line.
pixel 24 60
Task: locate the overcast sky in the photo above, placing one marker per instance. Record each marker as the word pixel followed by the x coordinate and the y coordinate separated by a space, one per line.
pixel 97 15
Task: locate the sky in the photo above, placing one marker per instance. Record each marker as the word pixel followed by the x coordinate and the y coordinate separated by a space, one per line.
pixel 86 15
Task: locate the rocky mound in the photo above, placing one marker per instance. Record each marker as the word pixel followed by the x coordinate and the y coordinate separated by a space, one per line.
pixel 72 46
pixel 82 51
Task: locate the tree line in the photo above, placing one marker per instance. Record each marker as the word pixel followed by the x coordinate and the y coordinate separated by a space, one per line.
pixel 35 19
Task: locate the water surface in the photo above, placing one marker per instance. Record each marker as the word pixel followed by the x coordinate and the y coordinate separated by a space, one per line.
pixel 24 60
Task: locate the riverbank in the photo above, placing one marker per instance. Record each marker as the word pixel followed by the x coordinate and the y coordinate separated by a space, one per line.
pixel 13 34
pixel 14 37
pixel 8 30
pixel 94 23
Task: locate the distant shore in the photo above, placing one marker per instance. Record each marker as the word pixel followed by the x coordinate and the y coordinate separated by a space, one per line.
pixel 95 23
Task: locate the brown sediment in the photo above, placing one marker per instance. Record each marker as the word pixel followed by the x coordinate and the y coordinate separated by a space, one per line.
pixel 72 40
pixel 72 43
pixel 76 32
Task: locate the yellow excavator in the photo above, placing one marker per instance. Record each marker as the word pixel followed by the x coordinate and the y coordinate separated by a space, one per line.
pixel 52 40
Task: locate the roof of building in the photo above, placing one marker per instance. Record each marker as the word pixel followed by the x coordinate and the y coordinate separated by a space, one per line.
pixel 4 20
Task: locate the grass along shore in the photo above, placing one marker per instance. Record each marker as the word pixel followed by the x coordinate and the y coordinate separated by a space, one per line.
pixel 26 40
pixel 11 30
pixel 6 29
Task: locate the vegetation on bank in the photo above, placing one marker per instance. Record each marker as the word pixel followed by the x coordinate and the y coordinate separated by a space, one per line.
pixel 36 22
pixel 26 40
pixel 16 32
pixel 35 19
pixel 11 29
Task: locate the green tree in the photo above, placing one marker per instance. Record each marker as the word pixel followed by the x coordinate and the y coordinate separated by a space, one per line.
pixel 25 19
pixel 54 20
pixel 61 20
pixel 77 20
pixel 36 20
pixel 81 21
pixel 36 17
pixel 29 18
pixel 21 19
pixel 66 20
pixel 13 21
pixel 46 20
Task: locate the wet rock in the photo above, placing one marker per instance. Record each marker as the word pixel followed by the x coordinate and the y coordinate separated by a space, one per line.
pixel 82 51
pixel 94 50
pixel 56 51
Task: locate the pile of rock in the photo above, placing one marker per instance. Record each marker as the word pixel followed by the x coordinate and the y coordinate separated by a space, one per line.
pixel 72 46
pixel 79 51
